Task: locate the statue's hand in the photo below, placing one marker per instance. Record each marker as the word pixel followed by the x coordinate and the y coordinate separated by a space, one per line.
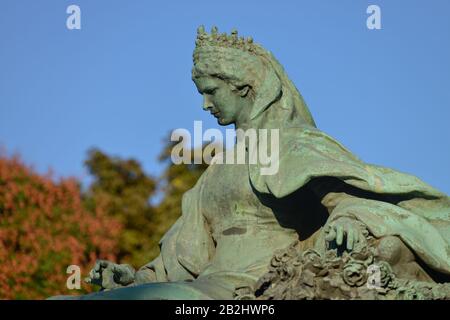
pixel 110 275
pixel 346 231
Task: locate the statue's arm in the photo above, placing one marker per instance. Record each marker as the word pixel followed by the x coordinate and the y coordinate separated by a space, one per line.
pixel 184 250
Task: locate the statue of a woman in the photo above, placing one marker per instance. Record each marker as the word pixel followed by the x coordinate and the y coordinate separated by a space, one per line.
pixel 235 218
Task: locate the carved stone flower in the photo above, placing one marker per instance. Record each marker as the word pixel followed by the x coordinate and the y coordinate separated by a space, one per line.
pixel 354 273
pixel 362 254
pixel 312 260
pixel 297 261
pixel 277 259
pixel 387 275
pixel 286 272
pixel 332 260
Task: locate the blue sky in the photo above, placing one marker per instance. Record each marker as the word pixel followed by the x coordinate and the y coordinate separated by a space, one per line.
pixel 123 81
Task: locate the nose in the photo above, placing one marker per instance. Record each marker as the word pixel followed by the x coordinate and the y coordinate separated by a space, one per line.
pixel 207 103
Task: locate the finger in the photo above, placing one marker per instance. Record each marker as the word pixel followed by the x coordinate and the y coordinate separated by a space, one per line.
pixel 99 265
pixel 356 237
pixel 115 269
pixel 330 235
pixel 339 235
pixel 108 281
pixel 92 274
pixel 350 238
pixel 97 275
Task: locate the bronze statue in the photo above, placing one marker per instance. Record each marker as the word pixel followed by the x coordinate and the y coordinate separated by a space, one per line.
pixel 323 202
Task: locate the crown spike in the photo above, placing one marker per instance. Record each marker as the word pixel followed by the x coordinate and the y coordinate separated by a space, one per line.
pixel 224 40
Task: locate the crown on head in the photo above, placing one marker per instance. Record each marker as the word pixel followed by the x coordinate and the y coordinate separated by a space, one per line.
pixel 224 40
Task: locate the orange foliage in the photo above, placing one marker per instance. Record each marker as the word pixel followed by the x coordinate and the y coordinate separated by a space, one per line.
pixel 45 227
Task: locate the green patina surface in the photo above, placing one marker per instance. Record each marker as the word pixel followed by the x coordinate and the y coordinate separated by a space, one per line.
pixel 322 197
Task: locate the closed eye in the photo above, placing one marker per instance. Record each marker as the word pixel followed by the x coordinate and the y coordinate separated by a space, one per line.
pixel 210 90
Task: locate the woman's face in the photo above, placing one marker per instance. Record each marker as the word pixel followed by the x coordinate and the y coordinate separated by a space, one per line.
pixel 227 105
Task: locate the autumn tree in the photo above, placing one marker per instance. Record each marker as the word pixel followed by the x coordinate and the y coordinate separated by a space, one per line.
pixel 47 225
pixel 44 228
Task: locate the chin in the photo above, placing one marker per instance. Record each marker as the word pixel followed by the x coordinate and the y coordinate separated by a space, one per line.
pixel 223 122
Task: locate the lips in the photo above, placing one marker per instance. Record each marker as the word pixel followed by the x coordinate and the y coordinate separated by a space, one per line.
pixel 215 113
